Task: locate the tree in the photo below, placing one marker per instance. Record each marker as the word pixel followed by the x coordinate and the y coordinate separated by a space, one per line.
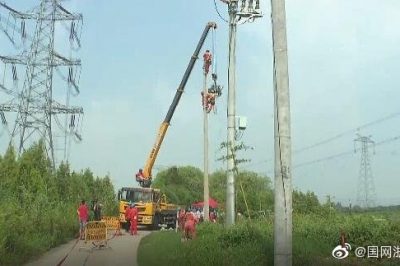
pixel 257 190
pixel 305 202
pixel 38 205
pixel 182 185
pixel 8 172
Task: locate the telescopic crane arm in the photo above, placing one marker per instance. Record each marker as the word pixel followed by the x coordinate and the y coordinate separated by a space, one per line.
pixel 144 176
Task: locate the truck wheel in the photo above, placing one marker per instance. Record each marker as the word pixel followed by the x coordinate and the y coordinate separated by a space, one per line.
pixel 123 226
pixel 156 221
pixel 172 225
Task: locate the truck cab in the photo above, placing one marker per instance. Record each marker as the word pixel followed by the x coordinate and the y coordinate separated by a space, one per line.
pixel 152 206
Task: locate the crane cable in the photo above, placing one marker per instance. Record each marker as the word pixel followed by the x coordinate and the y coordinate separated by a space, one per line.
pixel 214 47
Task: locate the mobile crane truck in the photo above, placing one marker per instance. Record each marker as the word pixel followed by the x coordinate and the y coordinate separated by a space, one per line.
pixel 151 203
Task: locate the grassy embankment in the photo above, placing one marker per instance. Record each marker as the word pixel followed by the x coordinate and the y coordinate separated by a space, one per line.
pixel 251 243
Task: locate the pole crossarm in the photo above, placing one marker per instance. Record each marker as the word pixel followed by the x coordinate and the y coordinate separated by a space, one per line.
pixel 12 10
pixel 59 60
pixel 8 91
pixel 13 60
pixel 63 61
pixel 8 108
pixel 60 14
pixel 56 108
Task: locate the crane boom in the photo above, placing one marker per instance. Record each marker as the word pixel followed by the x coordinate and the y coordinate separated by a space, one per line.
pixel 145 176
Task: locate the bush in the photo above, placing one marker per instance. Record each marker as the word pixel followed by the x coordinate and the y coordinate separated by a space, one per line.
pixel 38 206
pixel 251 243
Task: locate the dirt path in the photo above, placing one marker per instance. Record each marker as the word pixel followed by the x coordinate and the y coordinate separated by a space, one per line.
pixel 121 250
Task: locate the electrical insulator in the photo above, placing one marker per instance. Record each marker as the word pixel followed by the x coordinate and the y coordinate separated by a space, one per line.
pixel 14 72
pixel 250 7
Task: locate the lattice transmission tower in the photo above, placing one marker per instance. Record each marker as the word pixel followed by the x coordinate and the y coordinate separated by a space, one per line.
pixel 41 106
pixel 366 187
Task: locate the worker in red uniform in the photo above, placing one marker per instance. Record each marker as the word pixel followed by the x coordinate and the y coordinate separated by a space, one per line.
pixel 190 225
pixel 207 57
pixel 83 214
pixel 127 218
pixel 134 219
pixel 140 176
pixel 213 217
pixel 181 219
pixel 208 101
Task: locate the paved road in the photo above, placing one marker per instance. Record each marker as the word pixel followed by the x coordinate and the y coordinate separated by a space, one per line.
pixel 121 250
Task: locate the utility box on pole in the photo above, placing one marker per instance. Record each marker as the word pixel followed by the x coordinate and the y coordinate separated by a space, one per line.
pixel 242 122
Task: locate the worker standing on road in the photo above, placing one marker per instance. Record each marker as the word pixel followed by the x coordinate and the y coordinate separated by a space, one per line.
pixel 134 219
pixel 127 218
pixel 97 210
pixel 83 214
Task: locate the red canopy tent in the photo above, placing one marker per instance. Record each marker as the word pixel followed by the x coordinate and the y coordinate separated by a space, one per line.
pixel 211 202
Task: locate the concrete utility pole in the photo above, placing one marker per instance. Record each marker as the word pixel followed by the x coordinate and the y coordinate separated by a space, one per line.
pixel 248 12
pixel 283 178
pixel 230 182
pixel 206 207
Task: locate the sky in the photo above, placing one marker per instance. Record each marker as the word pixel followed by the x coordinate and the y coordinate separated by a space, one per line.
pixel 343 62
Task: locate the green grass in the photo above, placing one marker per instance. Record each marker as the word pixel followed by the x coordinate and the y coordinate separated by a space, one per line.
pixel 242 244
pixel 251 243
pixel 159 248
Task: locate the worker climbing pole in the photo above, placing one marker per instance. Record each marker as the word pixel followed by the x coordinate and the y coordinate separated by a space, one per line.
pixel 208 100
pixel 207 61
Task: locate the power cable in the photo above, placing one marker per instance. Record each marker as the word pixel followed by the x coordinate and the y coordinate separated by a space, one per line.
pixel 219 14
pixel 325 158
pixel 393 115
pixel 338 155
pixel 347 132
pixel 345 153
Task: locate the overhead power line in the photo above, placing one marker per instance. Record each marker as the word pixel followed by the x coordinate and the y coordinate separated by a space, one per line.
pixel 219 14
pixel 331 157
pixel 342 154
pixel 393 115
pixel 322 142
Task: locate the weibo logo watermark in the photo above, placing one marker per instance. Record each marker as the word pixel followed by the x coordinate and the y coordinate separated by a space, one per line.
pixel 341 252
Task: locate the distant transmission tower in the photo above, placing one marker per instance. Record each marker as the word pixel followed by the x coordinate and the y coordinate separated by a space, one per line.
pixel 366 187
pixel 37 106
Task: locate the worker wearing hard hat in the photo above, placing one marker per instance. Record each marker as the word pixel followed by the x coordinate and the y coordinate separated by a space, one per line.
pixel 190 225
pixel 207 57
pixel 127 218
pixel 134 219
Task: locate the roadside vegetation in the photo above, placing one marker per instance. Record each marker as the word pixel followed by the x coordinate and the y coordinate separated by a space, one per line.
pixel 316 229
pixel 251 242
pixel 38 206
